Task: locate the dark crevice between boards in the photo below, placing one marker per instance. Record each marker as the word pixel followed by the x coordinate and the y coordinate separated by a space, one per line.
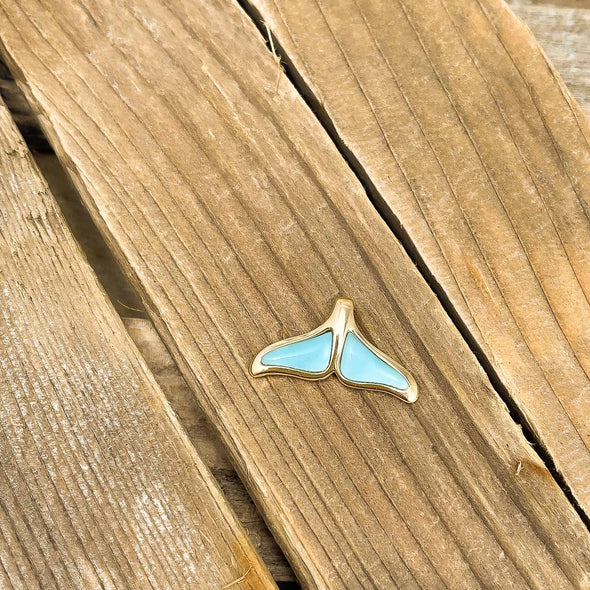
pixel 124 298
pixel 293 75
pixel 128 304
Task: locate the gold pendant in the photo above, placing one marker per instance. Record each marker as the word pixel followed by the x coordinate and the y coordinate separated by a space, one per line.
pixel 337 346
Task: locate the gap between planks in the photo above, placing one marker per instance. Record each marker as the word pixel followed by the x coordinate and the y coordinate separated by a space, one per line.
pixel 100 486
pixel 460 413
pixel 266 19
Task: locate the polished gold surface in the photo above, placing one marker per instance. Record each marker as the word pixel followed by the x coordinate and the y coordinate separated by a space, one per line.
pixel 340 323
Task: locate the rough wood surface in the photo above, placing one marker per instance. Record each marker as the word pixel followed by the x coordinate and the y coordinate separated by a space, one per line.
pixel 99 486
pixel 207 442
pixel 564 34
pixel 239 223
pixel 160 363
pixel 474 144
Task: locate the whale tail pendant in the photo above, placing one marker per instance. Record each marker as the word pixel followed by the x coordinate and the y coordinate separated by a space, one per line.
pixel 338 347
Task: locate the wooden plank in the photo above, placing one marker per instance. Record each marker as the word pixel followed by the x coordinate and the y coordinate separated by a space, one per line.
pixel 474 145
pixel 239 223
pixel 564 34
pixel 99 486
pixel 126 301
pixel 208 444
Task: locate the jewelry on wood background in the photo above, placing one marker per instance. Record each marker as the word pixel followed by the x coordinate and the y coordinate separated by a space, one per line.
pixel 337 346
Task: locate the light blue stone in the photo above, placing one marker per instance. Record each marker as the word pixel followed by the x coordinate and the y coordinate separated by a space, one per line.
pixel 361 365
pixel 311 355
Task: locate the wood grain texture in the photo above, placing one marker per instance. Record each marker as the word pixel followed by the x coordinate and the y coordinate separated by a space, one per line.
pixel 118 289
pixel 99 486
pixel 207 443
pixel 475 145
pixel 239 223
pixel 564 34
pixel 143 333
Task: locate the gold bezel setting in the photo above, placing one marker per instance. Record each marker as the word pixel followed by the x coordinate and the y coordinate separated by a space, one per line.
pixel 340 323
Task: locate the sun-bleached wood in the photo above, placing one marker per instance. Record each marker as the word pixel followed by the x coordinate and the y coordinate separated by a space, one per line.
pixel 239 223
pixel 160 363
pixel 99 486
pixel 474 144
pixel 206 440
pixel 563 31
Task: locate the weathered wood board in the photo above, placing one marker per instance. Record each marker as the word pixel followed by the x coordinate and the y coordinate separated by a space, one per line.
pixel 474 145
pixel 207 443
pixel 563 31
pixel 564 34
pixel 99 486
pixel 237 220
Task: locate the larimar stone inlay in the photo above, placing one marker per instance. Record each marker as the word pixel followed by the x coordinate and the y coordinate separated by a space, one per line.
pixel 311 355
pixel 361 365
